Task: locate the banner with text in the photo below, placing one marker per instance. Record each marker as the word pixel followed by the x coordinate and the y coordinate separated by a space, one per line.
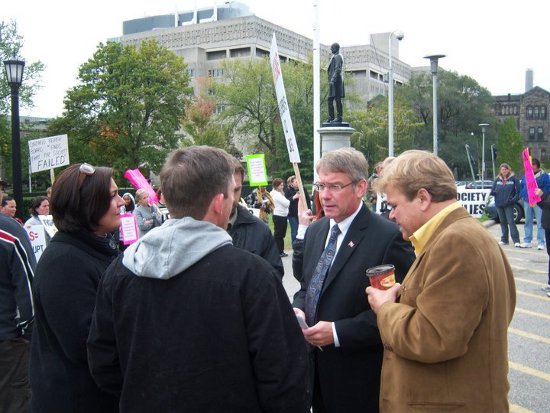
pixel 474 200
pixel 48 153
pixel 284 111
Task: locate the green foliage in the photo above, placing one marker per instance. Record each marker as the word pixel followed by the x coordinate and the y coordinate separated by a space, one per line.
pixel 510 145
pixel 11 44
pixel 251 111
pixel 126 110
pixel 462 105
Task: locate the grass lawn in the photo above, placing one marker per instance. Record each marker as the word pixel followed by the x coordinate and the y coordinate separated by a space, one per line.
pixel 288 241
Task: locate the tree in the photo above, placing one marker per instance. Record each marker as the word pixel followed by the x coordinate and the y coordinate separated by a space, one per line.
pixel 11 44
pixel 462 104
pixel 510 145
pixel 126 110
pixel 251 111
pixel 201 127
pixel 248 96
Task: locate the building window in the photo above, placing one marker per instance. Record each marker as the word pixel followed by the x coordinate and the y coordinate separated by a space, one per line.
pixel 531 134
pixel 543 112
pixel 529 112
pixel 216 55
pixel 536 112
pixel 540 133
pixel 215 72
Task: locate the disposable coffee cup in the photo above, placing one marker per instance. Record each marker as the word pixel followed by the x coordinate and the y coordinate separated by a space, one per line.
pixel 382 276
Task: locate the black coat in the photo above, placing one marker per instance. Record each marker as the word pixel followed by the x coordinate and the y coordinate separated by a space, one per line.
pixel 251 234
pixel 349 375
pixel 65 287
pixel 293 207
pixel 218 337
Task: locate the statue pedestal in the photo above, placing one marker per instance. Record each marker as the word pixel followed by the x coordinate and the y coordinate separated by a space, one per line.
pixel 334 136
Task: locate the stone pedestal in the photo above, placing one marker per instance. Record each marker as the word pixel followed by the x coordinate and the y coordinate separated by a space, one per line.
pixel 334 136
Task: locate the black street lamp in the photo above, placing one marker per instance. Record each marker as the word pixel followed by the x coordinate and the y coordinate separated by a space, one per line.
pixel 14 75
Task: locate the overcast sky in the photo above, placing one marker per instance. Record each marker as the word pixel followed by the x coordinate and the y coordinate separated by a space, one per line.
pixel 492 41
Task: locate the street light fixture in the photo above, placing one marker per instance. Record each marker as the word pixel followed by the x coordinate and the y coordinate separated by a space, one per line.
pixel 399 36
pixel 14 75
pixel 433 63
pixel 483 130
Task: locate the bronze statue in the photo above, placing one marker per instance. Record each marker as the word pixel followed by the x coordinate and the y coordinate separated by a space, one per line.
pixel 335 84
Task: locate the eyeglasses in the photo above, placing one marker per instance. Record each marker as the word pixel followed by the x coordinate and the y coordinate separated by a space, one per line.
pixel 319 187
pixel 85 170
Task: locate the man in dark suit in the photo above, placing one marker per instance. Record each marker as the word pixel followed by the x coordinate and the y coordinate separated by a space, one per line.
pixel 346 350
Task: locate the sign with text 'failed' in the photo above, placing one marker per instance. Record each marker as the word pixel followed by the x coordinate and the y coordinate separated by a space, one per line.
pixel 48 153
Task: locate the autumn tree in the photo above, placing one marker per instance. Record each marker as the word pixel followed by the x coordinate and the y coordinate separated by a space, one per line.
pixel 126 110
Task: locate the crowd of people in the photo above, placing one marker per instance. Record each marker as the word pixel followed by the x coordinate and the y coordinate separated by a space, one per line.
pixel 193 316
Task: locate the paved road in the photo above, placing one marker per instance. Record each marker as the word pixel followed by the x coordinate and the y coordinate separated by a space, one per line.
pixel 529 333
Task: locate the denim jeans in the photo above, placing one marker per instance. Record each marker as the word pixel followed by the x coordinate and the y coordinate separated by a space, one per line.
pixel 293 221
pixel 506 217
pixel 531 212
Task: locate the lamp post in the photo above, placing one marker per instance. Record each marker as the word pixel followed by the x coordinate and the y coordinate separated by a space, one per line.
pixel 433 63
pixel 399 36
pixel 483 130
pixel 14 75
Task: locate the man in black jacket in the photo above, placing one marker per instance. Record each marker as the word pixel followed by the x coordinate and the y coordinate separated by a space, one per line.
pixel 187 322
pixel 17 264
pixel 249 232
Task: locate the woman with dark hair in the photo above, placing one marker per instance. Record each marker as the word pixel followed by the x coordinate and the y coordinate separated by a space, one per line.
pixel 85 206
pixel 8 207
pixel 40 205
pixel 129 202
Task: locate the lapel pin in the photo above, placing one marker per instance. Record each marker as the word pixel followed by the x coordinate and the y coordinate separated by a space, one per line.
pixel 351 244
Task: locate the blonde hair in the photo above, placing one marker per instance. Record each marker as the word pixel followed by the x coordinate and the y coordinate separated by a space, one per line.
pixel 413 170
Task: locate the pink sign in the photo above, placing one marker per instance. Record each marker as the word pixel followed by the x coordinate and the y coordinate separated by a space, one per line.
pixel 128 229
pixel 530 178
pixel 139 181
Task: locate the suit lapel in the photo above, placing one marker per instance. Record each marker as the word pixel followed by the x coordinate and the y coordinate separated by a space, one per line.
pixel 354 236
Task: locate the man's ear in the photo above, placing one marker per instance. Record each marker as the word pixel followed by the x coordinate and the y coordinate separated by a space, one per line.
pixel 217 203
pixel 425 198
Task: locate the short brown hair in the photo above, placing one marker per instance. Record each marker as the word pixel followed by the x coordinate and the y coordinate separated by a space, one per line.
pixel 413 170
pixel 277 182
pixel 345 160
pixel 78 200
pixel 238 167
pixel 192 176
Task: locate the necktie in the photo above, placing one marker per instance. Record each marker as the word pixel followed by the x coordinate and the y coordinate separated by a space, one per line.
pixel 321 270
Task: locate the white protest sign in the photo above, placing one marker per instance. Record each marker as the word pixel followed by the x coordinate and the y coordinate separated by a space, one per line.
pixel 128 229
pixel 284 111
pixel 474 200
pixel 49 226
pixel 48 153
pixel 38 239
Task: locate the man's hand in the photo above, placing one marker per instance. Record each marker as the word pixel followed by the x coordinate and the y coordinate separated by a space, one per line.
pixel 304 216
pixel 320 334
pixel 378 297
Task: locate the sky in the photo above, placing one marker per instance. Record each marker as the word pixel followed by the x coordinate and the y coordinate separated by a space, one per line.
pixel 492 41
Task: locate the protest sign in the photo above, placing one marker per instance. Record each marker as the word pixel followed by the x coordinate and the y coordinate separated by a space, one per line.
pixel 38 239
pixel 257 172
pixel 530 178
pixel 48 153
pixel 128 229
pixel 138 180
pixel 474 200
pixel 49 226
